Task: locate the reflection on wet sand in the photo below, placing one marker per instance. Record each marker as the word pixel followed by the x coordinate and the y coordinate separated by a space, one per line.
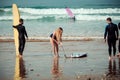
pixel 113 70
pixel 22 68
pixel 119 66
pixel 55 68
pixel 20 71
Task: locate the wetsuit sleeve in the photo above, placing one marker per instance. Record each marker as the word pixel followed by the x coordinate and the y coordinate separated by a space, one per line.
pixel 118 25
pixel 25 33
pixel 15 26
pixel 117 33
pixel 105 34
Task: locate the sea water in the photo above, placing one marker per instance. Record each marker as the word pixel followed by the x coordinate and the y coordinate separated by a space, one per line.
pixel 42 20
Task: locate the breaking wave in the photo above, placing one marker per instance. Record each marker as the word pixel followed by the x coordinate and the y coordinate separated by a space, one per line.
pixel 60 13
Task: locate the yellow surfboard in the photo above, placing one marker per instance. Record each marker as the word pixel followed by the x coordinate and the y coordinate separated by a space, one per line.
pixel 16 17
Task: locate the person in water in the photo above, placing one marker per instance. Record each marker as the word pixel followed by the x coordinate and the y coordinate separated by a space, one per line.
pixel 111 32
pixel 74 18
pixel 22 33
pixel 55 40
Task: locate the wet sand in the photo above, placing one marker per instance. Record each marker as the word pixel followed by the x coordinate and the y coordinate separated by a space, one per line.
pixel 38 62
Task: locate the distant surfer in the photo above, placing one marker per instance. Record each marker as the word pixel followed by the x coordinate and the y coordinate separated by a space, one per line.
pixel 55 40
pixel 70 13
pixel 111 32
pixel 22 33
pixel 74 18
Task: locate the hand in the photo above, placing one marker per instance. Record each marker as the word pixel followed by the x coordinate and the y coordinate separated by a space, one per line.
pixel 105 40
pixel 116 38
pixel 61 44
pixel 27 38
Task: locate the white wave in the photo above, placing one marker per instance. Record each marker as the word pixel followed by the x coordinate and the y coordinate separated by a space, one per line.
pixel 75 11
pixel 6 18
pixel 43 11
pixel 59 17
pixel 64 38
pixel 97 11
pixel 96 17
pixel 35 11
pixel 56 13
pixel 6 9
pixel 31 17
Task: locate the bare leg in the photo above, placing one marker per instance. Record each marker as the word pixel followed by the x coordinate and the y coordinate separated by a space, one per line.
pixel 53 45
pixel 56 50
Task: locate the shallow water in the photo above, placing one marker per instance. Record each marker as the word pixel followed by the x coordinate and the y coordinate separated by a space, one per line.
pixel 40 64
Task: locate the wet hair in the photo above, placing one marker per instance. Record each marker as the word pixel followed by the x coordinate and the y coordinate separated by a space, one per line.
pixel 59 32
pixel 109 19
pixel 21 20
pixel 61 28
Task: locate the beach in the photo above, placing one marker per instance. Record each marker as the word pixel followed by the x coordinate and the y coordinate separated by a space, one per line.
pixel 84 34
pixel 39 64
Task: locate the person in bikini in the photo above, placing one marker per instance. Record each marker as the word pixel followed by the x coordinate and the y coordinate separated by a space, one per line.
pixel 55 40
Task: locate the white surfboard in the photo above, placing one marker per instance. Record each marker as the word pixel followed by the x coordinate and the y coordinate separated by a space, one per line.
pixel 77 55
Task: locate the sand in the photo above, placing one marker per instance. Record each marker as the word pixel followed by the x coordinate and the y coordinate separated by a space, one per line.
pixel 38 62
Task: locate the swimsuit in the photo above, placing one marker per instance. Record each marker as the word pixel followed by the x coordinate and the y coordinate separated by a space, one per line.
pixel 51 35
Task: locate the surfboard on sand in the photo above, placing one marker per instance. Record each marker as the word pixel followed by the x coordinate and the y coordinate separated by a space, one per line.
pixel 16 17
pixel 76 55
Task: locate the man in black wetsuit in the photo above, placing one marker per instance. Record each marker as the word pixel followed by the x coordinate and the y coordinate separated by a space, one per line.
pixel 22 33
pixel 111 31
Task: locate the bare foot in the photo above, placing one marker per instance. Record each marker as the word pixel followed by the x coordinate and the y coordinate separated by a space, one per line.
pixel 118 55
pixel 110 58
pixel 20 56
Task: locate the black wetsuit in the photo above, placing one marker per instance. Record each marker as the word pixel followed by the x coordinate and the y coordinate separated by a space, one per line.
pixel 111 32
pixel 22 33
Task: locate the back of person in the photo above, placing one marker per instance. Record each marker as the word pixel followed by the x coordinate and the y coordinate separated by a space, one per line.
pixel 21 30
pixel 112 28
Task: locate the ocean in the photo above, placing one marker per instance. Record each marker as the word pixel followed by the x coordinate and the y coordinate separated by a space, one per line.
pixel 42 20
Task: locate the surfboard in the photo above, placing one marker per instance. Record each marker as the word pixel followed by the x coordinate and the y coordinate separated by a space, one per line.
pixel 70 13
pixel 77 55
pixel 16 17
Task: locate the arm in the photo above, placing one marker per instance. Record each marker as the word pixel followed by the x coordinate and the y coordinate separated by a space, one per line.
pixel 117 33
pixel 15 26
pixel 118 25
pixel 25 33
pixel 61 40
pixel 105 34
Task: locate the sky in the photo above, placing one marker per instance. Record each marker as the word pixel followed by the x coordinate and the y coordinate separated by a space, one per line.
pixel 27 3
